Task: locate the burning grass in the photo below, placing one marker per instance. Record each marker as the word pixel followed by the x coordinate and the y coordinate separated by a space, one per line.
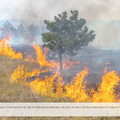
pixel 18 91
pixel 54 86
pixel 5 48
pixel 15 87
pixel 76 90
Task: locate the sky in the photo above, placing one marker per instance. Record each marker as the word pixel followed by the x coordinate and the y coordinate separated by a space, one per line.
pixel 98 14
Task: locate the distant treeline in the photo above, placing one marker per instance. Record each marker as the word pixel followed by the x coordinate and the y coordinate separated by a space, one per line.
pixel 30 33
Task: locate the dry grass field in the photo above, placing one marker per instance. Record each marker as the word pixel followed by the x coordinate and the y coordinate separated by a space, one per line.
pixel 19 92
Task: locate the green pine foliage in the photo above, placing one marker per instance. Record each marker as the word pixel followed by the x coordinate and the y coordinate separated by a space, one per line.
pixel 66 35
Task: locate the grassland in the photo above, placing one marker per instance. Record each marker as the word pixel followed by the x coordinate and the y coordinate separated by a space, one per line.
pixel 19 92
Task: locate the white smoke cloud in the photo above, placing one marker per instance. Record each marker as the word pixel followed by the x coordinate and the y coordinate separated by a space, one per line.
pixel 47 9
pixel 91 10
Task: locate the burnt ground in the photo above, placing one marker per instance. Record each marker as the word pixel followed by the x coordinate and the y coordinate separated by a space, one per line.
pixel 94 59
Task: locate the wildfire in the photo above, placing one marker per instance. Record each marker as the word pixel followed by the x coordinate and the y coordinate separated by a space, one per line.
pixel 31 37
pixel 53 85
pixel 22 73
pixel 68 63
pixel 29 58
pixel 105 70
pixel 5 48
pixel 41 59
pixel 44 87
pixel 106 92
pixel 77 90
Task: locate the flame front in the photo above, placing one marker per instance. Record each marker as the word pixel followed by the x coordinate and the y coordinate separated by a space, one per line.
pixel 54 85
pixel 106 92
pixel 5 48
pixel 77 90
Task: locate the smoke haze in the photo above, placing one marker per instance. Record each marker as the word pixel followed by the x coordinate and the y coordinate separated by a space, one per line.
pixel 39 9
pixel 98 14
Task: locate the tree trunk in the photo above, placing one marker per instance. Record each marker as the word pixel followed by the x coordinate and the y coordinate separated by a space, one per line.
pixel 60 62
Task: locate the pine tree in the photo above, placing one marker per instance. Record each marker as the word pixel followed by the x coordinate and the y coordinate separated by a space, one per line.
pixel 66 35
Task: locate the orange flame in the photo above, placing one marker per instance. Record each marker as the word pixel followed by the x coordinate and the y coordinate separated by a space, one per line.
pixel 31 37
pixel 29 58
pixel 76 90
pixel 106 92
pixel 5 49
pixel 67 64
pixel 48 87
pixel 41 59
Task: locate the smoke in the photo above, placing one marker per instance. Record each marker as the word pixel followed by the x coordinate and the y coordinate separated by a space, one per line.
pixel 107 34
pixel 40 10
pixel 96 12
